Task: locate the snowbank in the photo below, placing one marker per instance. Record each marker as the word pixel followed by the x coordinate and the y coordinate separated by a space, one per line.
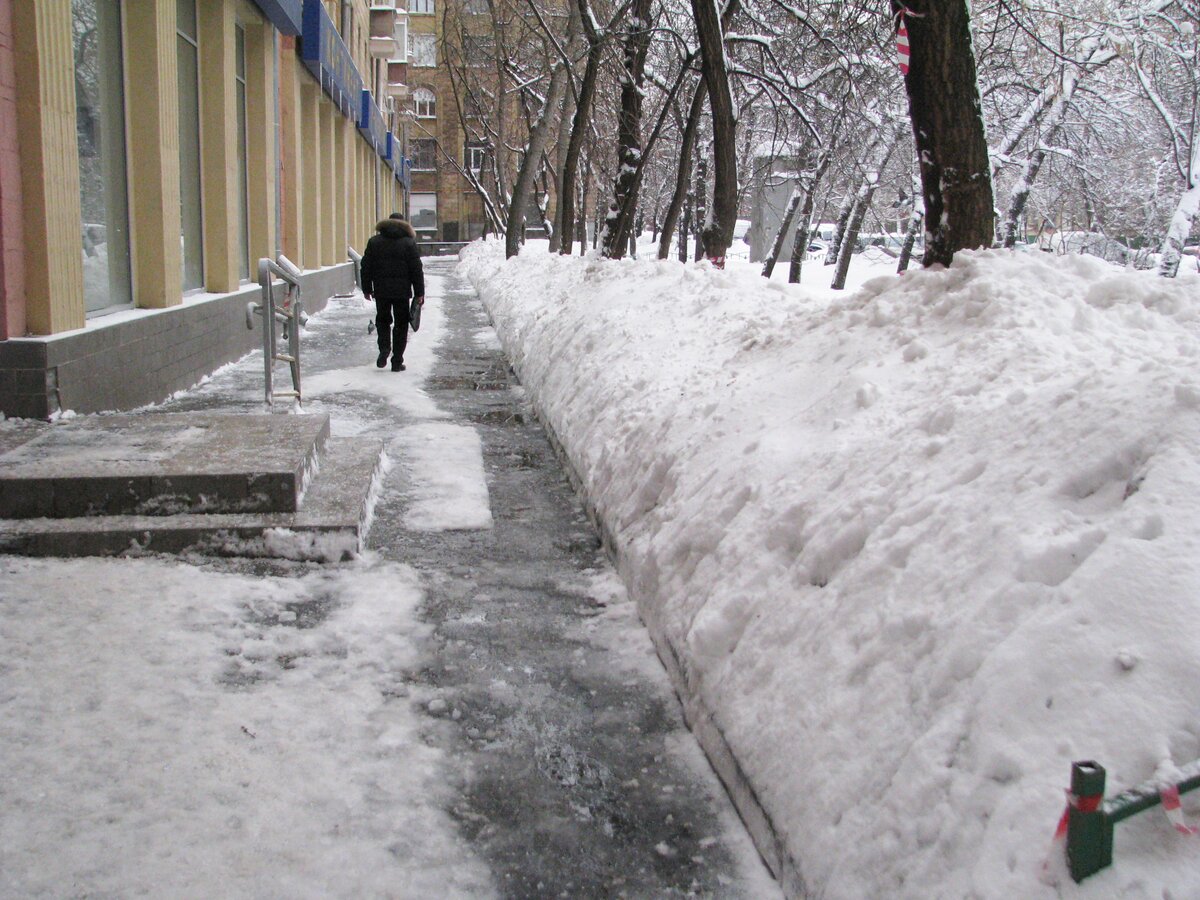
pixel 914 549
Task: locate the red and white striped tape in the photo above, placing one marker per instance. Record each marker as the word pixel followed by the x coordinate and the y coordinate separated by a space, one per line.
pixel 902 44
pixel 1059 841
pixel 1170 803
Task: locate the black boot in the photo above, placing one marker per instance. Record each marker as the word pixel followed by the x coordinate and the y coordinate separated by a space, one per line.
pixel 381 360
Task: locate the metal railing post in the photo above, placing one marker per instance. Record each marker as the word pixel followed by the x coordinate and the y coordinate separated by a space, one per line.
pixel 357 260
pixel 291 317
pixel 1089 831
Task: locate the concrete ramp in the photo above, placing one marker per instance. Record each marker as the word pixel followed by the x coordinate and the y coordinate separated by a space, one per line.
pixel 248 485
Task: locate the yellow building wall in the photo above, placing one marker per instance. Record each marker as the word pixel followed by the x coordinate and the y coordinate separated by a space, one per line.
pixel 293 189
pixel 312 121
pixel 330 185
pixel 153 89
pixel 261 151
pixel 218 145
pixel 328 223
pixel 44 65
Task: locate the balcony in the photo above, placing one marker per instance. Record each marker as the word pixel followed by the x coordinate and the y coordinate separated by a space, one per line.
pixel 397 76
pixel 383 32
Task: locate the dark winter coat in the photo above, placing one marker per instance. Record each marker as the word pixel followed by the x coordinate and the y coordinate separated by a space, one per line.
pixel 391 264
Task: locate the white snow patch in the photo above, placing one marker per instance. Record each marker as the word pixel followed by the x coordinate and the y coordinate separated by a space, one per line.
pixel 446 479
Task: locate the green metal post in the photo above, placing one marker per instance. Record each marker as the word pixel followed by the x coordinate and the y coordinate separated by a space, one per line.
pixel 1089 829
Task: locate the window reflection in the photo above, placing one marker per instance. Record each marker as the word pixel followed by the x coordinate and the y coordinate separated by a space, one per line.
pixel 100 123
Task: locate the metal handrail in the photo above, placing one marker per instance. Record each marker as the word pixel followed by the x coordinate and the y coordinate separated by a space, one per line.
pixel 289 313
pixel 356 258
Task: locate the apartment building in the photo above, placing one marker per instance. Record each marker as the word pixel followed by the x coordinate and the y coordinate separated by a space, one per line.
pixel 444 205
pixel 151 151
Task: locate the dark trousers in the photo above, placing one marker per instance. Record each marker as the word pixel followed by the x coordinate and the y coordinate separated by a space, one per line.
pixel 392 337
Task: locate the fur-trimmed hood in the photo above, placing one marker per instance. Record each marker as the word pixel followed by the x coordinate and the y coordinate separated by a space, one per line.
pixel 395 228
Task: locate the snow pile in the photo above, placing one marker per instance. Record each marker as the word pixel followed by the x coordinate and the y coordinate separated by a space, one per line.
pixel 915 549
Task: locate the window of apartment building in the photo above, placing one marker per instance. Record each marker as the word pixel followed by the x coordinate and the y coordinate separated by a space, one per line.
pixel 424 154
pixel 424 103
pixel 421 6
pixel 422 50
pixel 473 156
pixel 475 7
pixel 401 40
pixel 423 211
pixel 479 49
pixel 472 104
pixel 192 230
pixel 100 126
pixel 242 154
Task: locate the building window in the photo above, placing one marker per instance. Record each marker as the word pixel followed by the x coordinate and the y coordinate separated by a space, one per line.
pixel 401 41
pixel 475 7
pixel 473 156
pixel 422 50
pixel 424 154
pixel 192 222
pixel 100 125
pixel 479 49
pixel 423 212
pixel 424 103
pixel 423 7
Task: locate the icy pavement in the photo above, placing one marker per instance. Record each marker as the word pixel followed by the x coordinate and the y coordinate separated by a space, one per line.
pixel 472 709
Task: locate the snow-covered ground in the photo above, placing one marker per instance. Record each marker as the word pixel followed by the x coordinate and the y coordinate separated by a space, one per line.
pixel 170 730
pixel 916 546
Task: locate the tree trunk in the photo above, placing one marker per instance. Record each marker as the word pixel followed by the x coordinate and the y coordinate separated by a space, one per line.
pixel 804 228
pixel 833 251
pixel 629 130
pixel 1033 165
pixel 684 174
pixel 583 109
pixel 800 246
pixel 861 205
pixel 538 137
pixel 582 226
pixel 700 206
pixel 718 233
pixel 910 240
pixel 686 230
pixel 943 99
pixel 789 213
pixel 1182 220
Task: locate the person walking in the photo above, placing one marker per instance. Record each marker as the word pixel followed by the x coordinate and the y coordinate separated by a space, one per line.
pixel 391 274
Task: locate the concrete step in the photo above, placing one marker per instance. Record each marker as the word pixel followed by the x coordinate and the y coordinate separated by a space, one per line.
pixel 159 465
pixel 329 526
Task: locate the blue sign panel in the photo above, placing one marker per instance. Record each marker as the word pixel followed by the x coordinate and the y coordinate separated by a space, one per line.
pixel 393 151
pixel 371 125
pixel 286 15
pixel 327 57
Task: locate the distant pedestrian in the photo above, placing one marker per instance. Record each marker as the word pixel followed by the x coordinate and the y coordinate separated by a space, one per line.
pixel 391 273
